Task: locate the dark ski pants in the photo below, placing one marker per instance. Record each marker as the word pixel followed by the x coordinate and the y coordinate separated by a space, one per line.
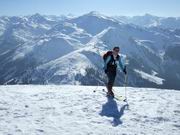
pixel 111 77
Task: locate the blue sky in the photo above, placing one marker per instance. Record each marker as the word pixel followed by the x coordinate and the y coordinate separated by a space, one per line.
pixel 79 7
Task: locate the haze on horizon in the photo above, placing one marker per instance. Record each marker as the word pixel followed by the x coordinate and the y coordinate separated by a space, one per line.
pixel 164 8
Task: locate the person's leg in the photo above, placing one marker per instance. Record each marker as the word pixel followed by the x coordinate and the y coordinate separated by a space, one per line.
pixel 111 79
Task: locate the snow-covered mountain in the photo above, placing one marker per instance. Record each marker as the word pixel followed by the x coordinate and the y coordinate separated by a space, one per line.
pixel 148 20
pixel 41 49
pixel 77 110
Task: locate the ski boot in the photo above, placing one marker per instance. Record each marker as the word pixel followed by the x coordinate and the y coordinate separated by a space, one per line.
pixel 110 92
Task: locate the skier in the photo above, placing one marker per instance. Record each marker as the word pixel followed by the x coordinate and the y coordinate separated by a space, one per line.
pixel 112 61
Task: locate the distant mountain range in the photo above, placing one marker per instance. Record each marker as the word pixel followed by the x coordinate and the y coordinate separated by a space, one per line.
pixel 152 21
pixel 47 49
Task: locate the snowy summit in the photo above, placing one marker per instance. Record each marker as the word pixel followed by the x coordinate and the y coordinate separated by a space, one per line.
pixel 77 110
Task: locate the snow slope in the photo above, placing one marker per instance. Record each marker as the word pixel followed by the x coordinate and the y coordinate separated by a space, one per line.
pixel 77 110
pixel 64 70
pixel 149 77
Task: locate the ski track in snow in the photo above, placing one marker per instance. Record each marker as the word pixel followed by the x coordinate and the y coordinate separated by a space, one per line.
pixel 77 110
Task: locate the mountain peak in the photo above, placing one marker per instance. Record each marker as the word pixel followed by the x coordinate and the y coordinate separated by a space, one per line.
pixel 36 15
pixel 94 13
pixel 147 14
pixel 37 18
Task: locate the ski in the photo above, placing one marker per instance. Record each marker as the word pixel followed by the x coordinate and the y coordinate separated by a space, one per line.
pixel 120 98
pixel 117 97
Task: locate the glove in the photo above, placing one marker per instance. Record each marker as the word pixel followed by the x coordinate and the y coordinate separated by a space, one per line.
pixel 124 70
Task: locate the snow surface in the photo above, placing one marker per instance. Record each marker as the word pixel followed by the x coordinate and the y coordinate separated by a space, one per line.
pixel 77 110
pixel 151 78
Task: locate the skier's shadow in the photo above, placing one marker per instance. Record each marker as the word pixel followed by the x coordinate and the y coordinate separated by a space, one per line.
pixel 110 109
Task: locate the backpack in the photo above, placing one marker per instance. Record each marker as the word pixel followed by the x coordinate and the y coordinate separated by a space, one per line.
pixel 108 53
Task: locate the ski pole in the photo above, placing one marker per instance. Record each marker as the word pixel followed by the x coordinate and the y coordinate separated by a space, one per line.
pixel 125 79
pixel 125 85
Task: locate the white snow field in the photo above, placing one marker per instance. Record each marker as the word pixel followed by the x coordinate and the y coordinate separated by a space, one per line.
pixel 77 110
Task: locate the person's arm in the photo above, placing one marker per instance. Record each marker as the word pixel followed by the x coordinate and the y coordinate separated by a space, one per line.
pixel 106 62
pixel 123 67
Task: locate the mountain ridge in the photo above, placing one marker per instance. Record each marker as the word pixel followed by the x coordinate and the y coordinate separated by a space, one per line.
pixel 28 44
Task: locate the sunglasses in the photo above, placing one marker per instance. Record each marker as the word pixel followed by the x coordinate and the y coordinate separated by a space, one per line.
pixel 116 50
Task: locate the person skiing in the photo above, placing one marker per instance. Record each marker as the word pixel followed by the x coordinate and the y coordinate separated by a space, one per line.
pixel 112 61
